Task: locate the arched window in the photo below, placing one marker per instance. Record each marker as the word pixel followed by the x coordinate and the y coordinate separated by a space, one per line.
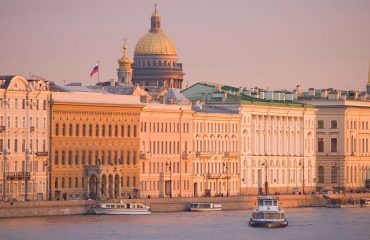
pixel 321 174
pixel 135 133
pixel 334 174
pixel 128 182
pixel 64 130
pixel 134 181
pixel 103 131
pixel 116 131
pixel 70 182
pixel 76 182
pixel 97 130
pixel 109 157
pixel 84 130
pixel 63 158
pixel 134 158
pixel 69 157
pixel 122 131
pixel 90 130
pixel 83 158
pixel 56 158
pixel 63 183
pixel 110 130
pixel 89 158
pixel 76 158
pixel 77 130
pixel 70 130
pixel 128 158
pixel 56 183
pixel 57 129
pixel 121 181
pixel 128 130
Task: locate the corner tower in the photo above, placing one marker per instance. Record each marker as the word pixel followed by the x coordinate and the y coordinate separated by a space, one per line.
pixel 155 58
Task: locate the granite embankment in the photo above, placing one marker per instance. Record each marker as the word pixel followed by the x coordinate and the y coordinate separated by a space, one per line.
pixel 47 208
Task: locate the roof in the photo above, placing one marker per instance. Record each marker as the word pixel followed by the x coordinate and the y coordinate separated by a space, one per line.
pixel 95 98
pixel 212 109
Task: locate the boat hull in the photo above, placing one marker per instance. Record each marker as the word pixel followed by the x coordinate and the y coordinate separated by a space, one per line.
pixel 268 224
pixel 106 211
pixel 205 209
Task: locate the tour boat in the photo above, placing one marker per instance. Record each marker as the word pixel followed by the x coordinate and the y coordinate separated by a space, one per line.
pixel 268 214
pixel 365 202
pixel 122 208
pixel 205 207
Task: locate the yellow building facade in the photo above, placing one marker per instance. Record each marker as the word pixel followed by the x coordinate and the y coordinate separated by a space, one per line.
pixel 95 146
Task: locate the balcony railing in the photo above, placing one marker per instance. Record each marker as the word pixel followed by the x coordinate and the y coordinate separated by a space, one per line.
pixel 18 175
pixel 42 154
pixel 145 156
pixel 232 154
pixel 203 154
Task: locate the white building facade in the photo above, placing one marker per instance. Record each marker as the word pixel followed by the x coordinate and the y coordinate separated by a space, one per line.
pixel 24 138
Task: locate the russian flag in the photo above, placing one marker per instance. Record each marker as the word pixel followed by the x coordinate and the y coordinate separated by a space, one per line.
pixel 95 70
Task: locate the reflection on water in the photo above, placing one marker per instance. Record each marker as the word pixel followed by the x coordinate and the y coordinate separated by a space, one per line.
pixel 306 223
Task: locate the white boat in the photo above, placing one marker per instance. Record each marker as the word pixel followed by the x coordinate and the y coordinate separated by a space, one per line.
pixel 122 208
pixel 205 207
pixel 365 202
pixel 268 214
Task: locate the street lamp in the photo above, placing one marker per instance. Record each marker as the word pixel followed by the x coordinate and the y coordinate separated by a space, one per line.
pixel 266 183
pixel 168 166
pixel 302 164
pixel 227 178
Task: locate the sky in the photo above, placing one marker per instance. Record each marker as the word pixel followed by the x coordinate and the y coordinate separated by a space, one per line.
pixel 274 44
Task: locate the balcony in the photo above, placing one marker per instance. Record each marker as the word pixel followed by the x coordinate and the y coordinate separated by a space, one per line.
pixel 145 156
pixel 18 175
pixel 42 154
pixel 232 154
pixel 203 154
pixel 187 156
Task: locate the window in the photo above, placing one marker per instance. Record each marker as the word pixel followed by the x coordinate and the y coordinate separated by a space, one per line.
pixel 56 158
pixel 64 130
pixel 128 158
pixel 334 145
pixel 84 130
pixel 76 182
pixel 128 130
pixel 320 124
pixel 15 145
pixel 122 131
pixel 97 130
pixel 56 183
pixel 69 157
pixel 70 129
pixel 321 174
pixel 116 131
pixel 136 130
pixel 110 130
pixel 320 145
pixel 77 130
pixel 63 158
pixel 334 174
pixel 76 158
pixel 90 130
pixel 57 129
pixel 128 182
pixel 103 131
pixel 333 124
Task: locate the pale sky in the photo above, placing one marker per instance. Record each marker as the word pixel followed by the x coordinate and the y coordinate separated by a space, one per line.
pixel 273 43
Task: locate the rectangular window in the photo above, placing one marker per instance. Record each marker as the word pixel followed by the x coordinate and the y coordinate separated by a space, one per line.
pixel 333 124
pixel 320 145
pixel 334 147
pixel 320 124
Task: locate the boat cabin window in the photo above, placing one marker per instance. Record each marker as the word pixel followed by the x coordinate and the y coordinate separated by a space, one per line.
pixel 263 202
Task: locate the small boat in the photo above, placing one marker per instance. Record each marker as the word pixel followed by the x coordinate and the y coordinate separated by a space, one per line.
pixel 365 202
pixel 122 208
pixel 334 203
pixel 268 214
pixel 205 207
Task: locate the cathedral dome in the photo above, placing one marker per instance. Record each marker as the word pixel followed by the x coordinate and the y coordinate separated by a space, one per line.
pixel 155 42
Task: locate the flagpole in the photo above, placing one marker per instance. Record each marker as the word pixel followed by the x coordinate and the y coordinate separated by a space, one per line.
pixel 98 72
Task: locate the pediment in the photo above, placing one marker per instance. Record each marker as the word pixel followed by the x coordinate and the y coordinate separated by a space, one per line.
pixel 18 83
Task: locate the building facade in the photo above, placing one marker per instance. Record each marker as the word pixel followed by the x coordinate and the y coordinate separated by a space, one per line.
pixel 24 138
pixel 166 150
pixel 343 143
pixel 95 146
pixel 216 140
pixel 155 59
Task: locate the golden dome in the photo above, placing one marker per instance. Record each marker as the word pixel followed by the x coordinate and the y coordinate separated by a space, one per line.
pixel 124 60
pixel 155 42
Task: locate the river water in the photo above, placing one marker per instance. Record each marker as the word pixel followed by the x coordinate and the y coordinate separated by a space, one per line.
pixel 304 223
